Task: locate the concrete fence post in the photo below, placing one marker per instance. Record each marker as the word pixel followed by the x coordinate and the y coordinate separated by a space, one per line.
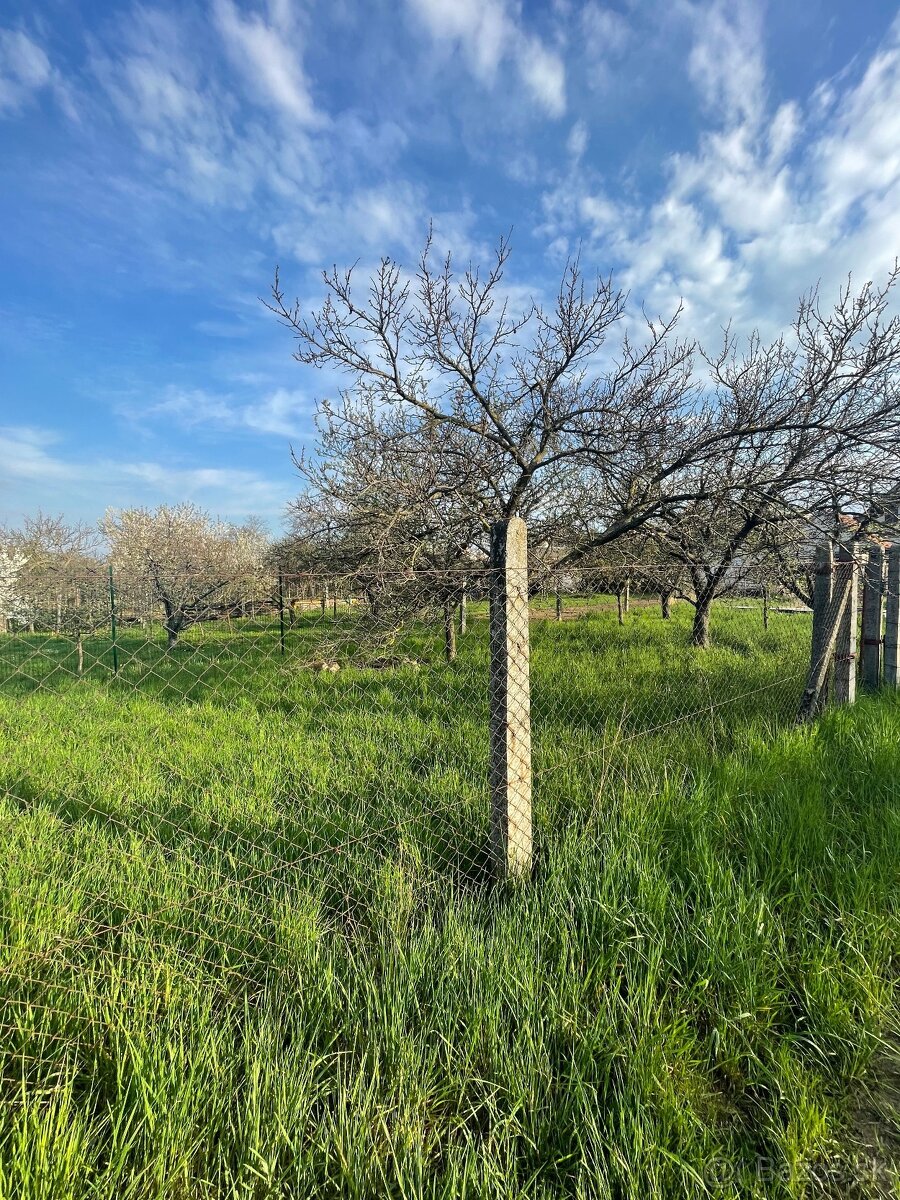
pixel 463 608
pixel 845 650
pixel 872 616
pixel 892 619
pixel 825 617
pixel 510 700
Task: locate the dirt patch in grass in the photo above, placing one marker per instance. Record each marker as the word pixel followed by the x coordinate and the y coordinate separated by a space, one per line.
pixel 868 1164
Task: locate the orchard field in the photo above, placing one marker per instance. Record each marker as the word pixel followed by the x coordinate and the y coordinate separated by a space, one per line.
pixel 251 947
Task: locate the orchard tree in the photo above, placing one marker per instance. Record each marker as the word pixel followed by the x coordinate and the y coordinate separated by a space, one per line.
pixel 712 546
pixel 60 575
pixel 560 419
pixel 13 608
pixel 399 506
pixel 812 425
pixel 180 558
pixel 541 393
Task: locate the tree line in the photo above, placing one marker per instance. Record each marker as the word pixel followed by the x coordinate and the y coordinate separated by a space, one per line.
pixel 623 444
pixel 175 563
pixel 615 437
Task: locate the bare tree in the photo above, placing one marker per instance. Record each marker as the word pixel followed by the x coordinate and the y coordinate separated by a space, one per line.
pixel 711 543
pixel 802 427
pixel 529 395
pixel 397 507
pixel 625 438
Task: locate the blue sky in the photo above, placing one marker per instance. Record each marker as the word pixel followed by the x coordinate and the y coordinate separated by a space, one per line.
pixel 157 161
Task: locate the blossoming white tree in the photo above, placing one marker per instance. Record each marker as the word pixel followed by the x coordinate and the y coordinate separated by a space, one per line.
pixel 12 605
pixel 62 579
pixel 179 558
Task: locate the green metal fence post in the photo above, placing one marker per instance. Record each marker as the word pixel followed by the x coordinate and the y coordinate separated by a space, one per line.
pixel 112 621
pixel 281 610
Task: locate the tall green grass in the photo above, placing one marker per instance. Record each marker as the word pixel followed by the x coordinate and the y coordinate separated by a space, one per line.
pixel 250 946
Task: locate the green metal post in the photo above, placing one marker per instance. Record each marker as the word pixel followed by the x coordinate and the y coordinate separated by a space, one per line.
pixel 281 609
pixel 112 621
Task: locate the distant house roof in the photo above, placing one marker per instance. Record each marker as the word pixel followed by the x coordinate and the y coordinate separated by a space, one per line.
pixel 852 523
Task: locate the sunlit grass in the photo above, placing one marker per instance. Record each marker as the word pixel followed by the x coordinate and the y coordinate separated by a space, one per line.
pixel 250 946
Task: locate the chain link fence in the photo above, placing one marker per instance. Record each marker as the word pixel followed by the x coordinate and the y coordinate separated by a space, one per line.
pixel 209 799
pixel 357 712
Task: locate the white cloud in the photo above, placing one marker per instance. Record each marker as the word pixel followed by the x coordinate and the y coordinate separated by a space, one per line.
pixel 487 33
pixel 283 412
pixel 726 61
pixel 860 153
pixel 384 218
pixel 607 30
pixel 201 138
pixel 25 454
pixel 577 141
pixel 25 70
pixel 265 54
pixel 770 200
pixel 227 491
pixel 784 130
pixel 179 116
pixel 47 474
pixel 605 34
pixel 480 28
pixel 545 75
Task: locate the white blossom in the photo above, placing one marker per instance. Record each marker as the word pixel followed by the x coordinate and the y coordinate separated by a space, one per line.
pixel 12 605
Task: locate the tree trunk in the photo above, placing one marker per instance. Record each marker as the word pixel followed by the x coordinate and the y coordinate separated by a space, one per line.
pixel 449 632
pixel 765 606
pixel 665 603
pixel 700 631
pixel 559 606
pixel 174 623
pixel 619 605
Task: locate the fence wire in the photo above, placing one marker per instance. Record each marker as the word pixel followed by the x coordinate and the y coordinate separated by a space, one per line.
pixel 206 790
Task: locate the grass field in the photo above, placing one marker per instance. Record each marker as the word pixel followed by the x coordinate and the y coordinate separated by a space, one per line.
pixel 250 948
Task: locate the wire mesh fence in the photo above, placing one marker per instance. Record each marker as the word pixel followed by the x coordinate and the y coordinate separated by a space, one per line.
pixel 379 683
pixel 209 798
